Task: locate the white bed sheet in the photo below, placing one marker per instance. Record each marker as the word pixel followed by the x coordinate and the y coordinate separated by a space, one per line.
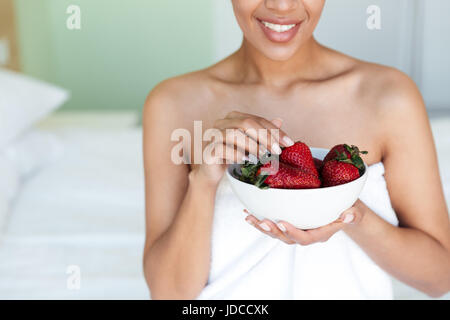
pixel 87 209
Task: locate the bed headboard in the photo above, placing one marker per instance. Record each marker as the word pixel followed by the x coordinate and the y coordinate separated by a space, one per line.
pixel 9 53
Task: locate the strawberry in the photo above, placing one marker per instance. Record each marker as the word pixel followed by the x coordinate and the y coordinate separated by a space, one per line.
pixel 297 169
pixel 318 163
pixel 335 172
pixel 299 155
pixel 345 153
pixel 336 151
pixel 286 177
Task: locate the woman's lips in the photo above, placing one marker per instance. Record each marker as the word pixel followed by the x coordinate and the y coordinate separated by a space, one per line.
pixel 279 32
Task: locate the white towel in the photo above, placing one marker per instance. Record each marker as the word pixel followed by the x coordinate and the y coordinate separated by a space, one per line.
pixel 246 264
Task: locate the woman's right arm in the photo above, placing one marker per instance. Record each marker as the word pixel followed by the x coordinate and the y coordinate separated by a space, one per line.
pixel 176 260
pixel 179 208
pixel 180 202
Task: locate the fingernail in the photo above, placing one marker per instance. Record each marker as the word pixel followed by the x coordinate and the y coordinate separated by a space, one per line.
pixel 281 227
pixel 288 141
pixel 264 226
pixel 277 122
pixel 253 158
pixel 349 218
pixel 278 119
pixel 262 151
pixel 276 148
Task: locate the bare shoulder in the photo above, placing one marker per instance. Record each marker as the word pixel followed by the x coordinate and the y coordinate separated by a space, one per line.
pixel 383 92
pixel 180 97
pixel 389 90
pixel 394 104
pixel 380 88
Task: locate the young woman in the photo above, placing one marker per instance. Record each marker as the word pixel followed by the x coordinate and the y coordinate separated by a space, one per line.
pixel 198 244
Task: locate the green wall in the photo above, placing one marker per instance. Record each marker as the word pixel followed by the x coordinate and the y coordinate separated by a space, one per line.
pixel 123 49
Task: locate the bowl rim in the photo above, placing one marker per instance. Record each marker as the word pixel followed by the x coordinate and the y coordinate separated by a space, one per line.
pixel 366 167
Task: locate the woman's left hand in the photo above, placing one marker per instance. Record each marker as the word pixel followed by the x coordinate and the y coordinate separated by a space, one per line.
pixel 289 234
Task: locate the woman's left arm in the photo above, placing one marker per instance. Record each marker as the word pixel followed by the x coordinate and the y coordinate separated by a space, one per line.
pixel 418 251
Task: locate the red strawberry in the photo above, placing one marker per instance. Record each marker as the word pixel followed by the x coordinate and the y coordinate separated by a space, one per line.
pixel 345 153
pixel 287 177
pixel 335 152
pixel 318 163
pixel 299 155
pixel 335 172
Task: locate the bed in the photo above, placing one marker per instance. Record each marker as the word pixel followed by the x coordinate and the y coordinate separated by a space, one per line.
pixel 87 209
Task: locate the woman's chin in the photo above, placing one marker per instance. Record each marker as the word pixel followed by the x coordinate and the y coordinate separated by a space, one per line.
pixel 279 54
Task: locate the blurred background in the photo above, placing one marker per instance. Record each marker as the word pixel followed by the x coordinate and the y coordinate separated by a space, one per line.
pixel 70 103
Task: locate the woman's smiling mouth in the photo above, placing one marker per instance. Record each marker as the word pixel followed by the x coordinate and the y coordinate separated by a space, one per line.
pixel 277 31
pixel 278 27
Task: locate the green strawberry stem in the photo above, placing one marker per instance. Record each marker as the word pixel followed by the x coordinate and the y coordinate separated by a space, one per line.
pixel 260 181
pixel 249 172
pixel 355 158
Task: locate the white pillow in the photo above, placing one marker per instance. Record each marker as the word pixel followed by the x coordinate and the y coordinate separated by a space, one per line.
pixel 23 102
pixel 33 151
pixel 21 159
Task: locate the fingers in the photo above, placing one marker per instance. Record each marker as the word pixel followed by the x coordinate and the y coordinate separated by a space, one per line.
pixel 289 234
pixel 219 153
pixel 277 122
pixel 231 145
pixel 276 232
pixel 258 225
pixel 237 115
pixel 267 227
pixel 251 127
pixel 296 235
pixel 324 233
pixel 264 132
pixel 352 215
pixel 239 139
pixel 273 125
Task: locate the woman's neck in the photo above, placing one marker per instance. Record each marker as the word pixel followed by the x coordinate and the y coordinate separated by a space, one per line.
pixel 254 67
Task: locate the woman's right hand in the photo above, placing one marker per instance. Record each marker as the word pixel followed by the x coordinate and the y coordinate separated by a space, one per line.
pixel 238 137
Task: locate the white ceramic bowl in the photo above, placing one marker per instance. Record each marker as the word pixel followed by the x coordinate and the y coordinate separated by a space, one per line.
pixel 303 208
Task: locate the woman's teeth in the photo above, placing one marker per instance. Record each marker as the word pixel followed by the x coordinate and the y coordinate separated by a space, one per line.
pixel 278 27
